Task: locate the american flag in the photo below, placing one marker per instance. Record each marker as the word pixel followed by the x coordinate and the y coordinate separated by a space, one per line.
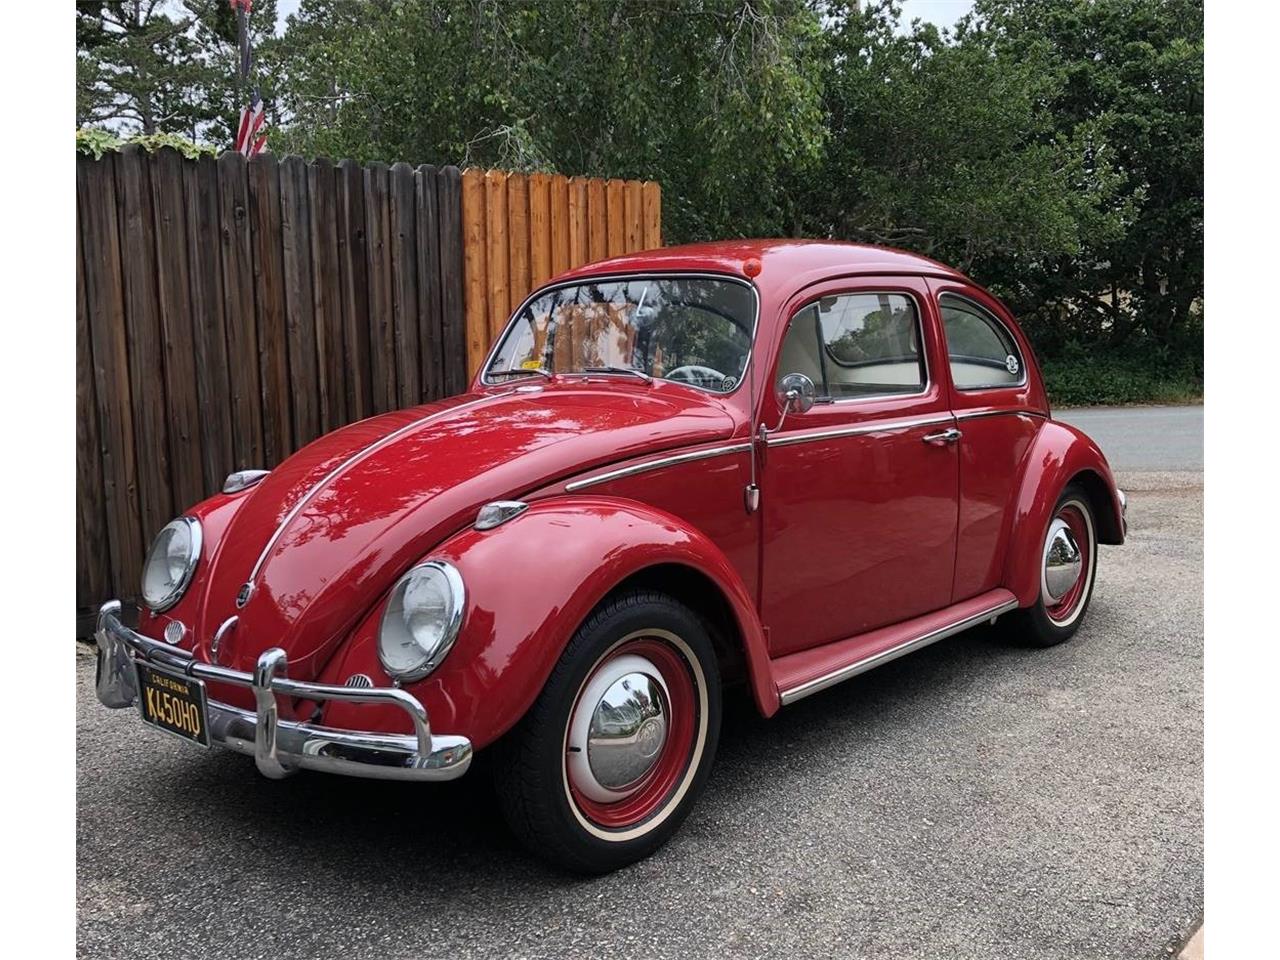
pixel 250 136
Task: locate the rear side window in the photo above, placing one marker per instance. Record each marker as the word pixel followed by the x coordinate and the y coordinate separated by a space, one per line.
pixel 981 351
pixel 856 345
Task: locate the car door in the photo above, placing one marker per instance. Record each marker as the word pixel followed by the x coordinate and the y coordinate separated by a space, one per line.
pixel 992 397
pixel 859 491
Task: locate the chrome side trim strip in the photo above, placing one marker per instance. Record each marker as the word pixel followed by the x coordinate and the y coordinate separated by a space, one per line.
pixel 1003 412
pixel 341 468
pixel 879 426
pixel 862 666
pixel 656 465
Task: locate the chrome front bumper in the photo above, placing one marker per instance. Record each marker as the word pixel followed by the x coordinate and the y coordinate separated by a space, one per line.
pixel 280 747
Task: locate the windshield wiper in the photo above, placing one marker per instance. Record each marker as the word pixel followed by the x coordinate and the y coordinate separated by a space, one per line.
pixel 521 372
pixel 631 370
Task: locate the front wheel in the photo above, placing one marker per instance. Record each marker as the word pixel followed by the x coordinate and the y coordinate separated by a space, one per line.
pixel 611 756
pixel 1068 561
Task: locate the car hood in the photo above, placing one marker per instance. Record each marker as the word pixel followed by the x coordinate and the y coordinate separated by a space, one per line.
pixel 328 531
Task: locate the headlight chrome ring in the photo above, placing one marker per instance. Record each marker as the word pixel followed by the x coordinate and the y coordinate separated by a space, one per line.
pixel 191 529
pixel 421 620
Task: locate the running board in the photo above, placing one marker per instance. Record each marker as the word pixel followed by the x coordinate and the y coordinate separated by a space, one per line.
pixel 808 671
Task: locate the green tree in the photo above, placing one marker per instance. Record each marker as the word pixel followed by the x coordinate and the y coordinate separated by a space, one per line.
pixel 144 66
pixel 712 97
pixel 1132 77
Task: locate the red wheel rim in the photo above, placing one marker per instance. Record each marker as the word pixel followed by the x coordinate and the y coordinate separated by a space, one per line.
pixel 669 769
pixel 1065 608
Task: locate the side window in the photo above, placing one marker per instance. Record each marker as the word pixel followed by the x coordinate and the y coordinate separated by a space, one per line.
pixel 981 351
pixel 856 345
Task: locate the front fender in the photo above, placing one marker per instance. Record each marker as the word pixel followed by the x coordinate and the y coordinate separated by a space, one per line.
pixel 1059 455
pixel 529 584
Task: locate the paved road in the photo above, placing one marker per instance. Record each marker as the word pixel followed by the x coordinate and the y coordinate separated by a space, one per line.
pixel 1144 438
pixel 973 800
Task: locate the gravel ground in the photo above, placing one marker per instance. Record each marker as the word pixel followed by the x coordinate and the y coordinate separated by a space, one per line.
pixel 972 800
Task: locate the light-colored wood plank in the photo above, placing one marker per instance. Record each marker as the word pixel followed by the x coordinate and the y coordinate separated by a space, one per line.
pixel 517 239
pixel 652 213
pixel 597 219
pixel 497 253
pixel 539 229
pixel 475 258
pixel 559 196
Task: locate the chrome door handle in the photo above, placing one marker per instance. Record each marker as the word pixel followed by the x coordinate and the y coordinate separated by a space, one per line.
pixel 949 435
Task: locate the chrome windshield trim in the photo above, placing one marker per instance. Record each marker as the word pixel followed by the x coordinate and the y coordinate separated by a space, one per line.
pixel 803 690
pixel 879 426
pixel 357 457
pixel 631 471
pixel 634 275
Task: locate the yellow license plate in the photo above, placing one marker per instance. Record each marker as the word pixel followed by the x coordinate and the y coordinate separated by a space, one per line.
pixel 174 703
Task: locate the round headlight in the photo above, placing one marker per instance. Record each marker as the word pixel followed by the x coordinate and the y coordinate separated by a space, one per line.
pixel 170 563
pixel 421 620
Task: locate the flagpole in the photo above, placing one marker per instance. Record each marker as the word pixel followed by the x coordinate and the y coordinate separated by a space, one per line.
pixel 249 138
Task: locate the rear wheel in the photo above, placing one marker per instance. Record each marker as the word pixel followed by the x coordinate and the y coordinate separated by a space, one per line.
pixel 612 755
pixel 1068 560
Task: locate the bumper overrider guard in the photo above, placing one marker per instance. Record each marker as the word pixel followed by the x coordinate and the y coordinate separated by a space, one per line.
pixel 280 747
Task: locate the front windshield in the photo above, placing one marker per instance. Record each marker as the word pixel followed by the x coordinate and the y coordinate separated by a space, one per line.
pixel 690 330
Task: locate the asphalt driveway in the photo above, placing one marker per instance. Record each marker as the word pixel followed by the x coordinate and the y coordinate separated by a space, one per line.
pixel 972 800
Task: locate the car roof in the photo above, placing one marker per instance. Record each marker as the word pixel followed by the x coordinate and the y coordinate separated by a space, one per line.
pixel 781 261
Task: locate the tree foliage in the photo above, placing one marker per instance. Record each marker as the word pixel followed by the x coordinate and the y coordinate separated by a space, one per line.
pixel 146 66
pixel 1051 148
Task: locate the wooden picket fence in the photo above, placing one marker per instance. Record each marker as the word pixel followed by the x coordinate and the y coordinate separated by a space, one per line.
pixel 228 312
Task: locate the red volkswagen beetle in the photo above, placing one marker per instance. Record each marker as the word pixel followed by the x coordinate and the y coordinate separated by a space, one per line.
pixel 777 462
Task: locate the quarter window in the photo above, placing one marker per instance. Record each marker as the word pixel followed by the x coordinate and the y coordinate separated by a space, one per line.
pixel 981 351
pixel 856 345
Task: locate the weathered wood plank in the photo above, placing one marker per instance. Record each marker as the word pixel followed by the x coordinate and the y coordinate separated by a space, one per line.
pixel 475 246
pixel 381 310
pixel 517 239
pixel 579 222
pixel 558 190
pixel 98 205
pixel 142 324
pixel 633 215
pixel 407 333
pixel 539 229
pixel 268 284
pixel 651 196
pixel 299 303
pixel 241 316
pixel 452 292
pixel 497 258
pixel 173 281
pixel 616 217
pixel 353 263
pixel 93 569
pixel 430 324
pixel 209 336
pixel 326 294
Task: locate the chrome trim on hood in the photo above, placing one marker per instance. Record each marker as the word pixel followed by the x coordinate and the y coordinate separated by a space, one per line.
pixel 246 591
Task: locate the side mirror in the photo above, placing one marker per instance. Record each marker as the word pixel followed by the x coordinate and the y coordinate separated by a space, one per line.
pixel 796 392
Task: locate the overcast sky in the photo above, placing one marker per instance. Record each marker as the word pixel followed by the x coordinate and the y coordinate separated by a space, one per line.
pixel 944 13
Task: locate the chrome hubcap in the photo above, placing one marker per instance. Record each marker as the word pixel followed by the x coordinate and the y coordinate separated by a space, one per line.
pixel 628 729
pixel 1062 562
pixel 618 729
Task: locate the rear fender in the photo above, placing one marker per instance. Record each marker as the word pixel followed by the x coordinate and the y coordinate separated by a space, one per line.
pixel 529 584
pixel 1059 455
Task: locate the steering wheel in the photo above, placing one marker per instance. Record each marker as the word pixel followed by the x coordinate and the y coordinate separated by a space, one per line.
pixel 695 373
